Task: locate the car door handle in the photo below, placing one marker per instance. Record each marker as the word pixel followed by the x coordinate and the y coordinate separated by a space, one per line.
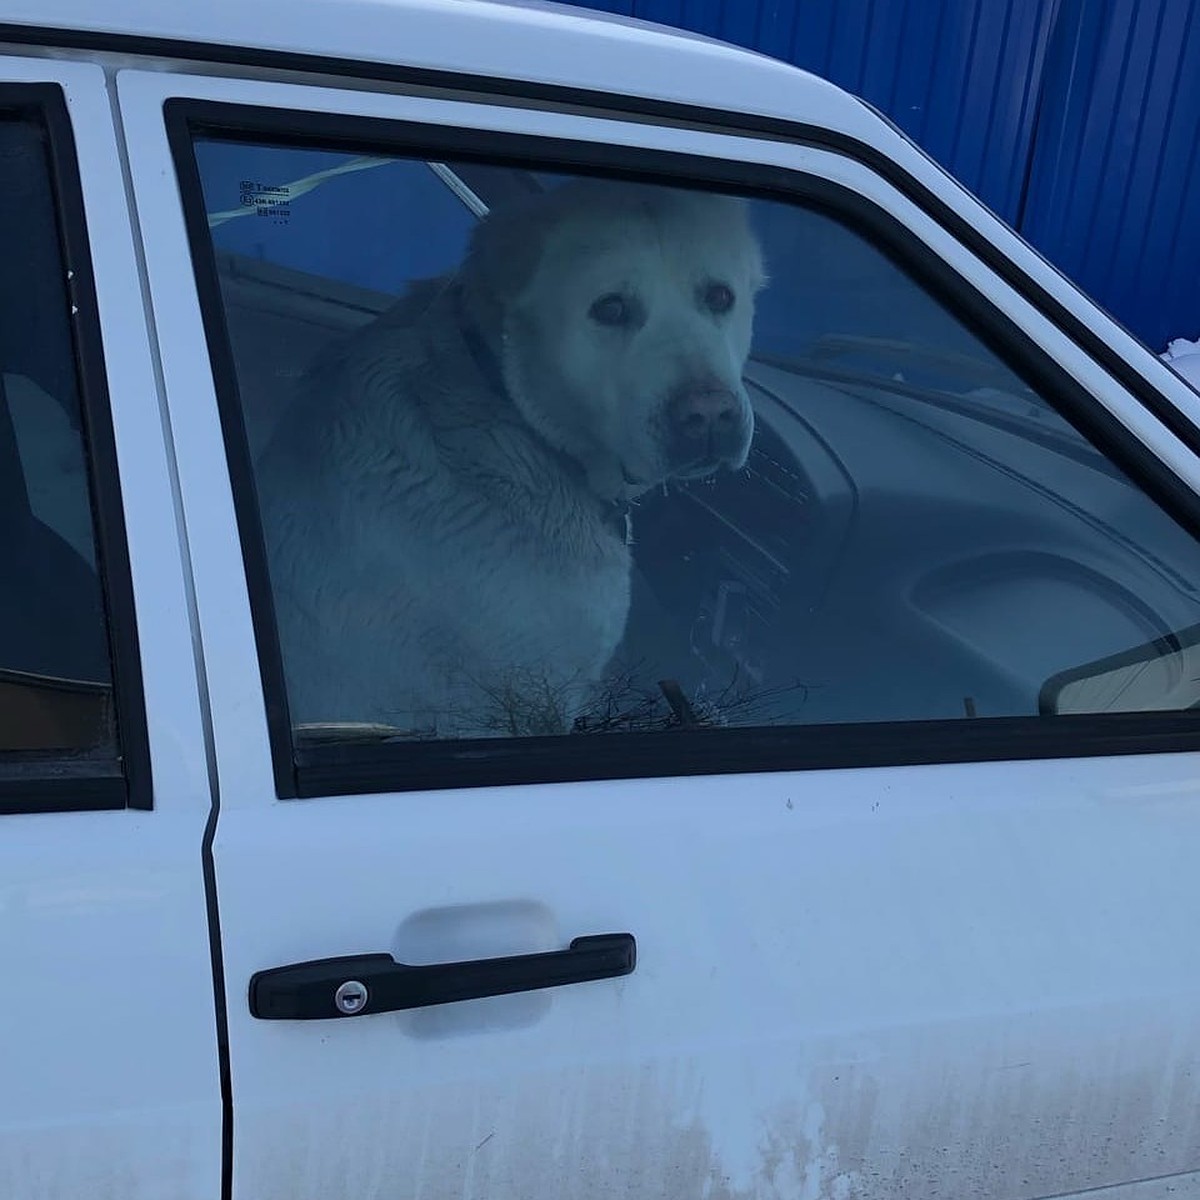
pixel 375 983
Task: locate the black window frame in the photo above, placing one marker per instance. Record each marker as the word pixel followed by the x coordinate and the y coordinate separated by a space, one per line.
pixel 37 782
pixel 316 771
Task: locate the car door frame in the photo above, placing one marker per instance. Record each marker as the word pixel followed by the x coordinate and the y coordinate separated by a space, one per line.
pixel 104 893
pixel 1158 414
pixel 1157 456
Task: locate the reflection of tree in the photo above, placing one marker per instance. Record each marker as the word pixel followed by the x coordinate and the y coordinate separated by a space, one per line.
pixel 627 702
pixel 629 699
pixel 539 703
pixel 525 703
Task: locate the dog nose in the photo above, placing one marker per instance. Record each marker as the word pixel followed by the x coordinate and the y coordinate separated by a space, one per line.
pixel 704 410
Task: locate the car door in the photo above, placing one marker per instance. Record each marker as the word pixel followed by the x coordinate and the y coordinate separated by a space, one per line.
pixel 895 793
pixel 108 1046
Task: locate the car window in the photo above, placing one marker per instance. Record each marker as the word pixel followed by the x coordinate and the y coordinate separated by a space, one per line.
pixel 538 454
pixel 55 677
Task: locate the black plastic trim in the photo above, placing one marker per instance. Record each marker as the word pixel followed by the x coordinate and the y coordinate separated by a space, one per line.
pixel 319 771
pixel 499 762
pixel 45 103
pixel 59 787
pixel 220 1006
pixel 724 120
pixel 237 449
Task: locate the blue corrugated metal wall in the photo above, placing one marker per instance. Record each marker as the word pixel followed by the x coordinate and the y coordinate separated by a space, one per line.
pixel 1078 121
pixel 1114 188
pixel 956 75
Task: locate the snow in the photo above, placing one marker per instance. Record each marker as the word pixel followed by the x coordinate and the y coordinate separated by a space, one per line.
pixel 1184 358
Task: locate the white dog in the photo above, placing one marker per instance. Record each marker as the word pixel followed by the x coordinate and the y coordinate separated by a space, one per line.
pixel 444 507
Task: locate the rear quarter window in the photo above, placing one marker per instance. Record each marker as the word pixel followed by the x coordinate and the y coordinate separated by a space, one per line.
pixel 60 706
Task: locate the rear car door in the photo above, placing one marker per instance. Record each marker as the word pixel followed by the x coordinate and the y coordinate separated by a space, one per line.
pixel 108 1046
pixel 892 781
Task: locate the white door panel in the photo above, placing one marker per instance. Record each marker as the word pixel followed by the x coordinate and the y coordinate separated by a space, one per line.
pixel 924 977
pixel 929 981
pixel 108 1048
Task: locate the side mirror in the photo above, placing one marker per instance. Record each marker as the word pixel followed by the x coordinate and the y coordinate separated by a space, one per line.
pixel 1160 676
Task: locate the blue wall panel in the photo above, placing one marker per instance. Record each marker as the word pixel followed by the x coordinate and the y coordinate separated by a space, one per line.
pixel 957 75
pixel 1078 121
pixel 1114 191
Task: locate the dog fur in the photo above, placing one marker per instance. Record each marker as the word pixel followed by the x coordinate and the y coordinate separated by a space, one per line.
pixel 444 504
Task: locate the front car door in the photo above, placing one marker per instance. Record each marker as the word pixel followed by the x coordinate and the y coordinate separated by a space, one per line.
pixel 894 784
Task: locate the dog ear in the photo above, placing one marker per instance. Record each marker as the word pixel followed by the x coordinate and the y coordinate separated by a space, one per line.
pixel 507 244
pixel 741 227
pixel 499 263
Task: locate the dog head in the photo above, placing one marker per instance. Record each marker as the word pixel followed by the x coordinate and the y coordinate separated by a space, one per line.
pixel 621 316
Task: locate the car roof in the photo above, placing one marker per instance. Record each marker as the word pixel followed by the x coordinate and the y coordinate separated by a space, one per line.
pixel 519 40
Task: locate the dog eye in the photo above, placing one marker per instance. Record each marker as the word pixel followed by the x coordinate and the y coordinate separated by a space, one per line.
pixel 613 309
pixel 718 298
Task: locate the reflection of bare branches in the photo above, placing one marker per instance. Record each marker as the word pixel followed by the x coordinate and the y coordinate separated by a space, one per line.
pixel 626 702
pixel 481 702
pixel 530 703
pixel 526 704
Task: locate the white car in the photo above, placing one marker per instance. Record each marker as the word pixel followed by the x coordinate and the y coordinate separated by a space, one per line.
pixel 872 872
